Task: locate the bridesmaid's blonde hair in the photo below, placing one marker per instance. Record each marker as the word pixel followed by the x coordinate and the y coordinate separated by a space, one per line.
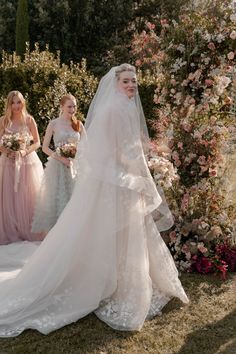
pixel 75 123
pixel 7 116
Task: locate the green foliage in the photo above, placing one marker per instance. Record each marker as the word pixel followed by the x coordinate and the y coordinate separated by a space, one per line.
pixel 22 26
pixel 42 79
pixel 147 85
pixel 80 28
pixel 7 24
pixel 99 30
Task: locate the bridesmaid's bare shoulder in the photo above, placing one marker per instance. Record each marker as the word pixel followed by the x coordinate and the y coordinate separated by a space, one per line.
pixel 29 119
pixel 53 121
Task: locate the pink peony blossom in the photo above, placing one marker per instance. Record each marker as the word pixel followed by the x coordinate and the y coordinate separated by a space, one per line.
pixel 185 202
pixel 202 248
pixel 230 55
pixel 211 46
pixel 173 236
pixel 150 26
pixel 202 160
pixel 209 82
pixel 212 172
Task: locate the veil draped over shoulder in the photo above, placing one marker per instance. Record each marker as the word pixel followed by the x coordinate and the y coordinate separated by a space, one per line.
pixel 105 253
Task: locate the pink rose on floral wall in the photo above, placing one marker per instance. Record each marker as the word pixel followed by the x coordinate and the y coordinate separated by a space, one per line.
pixel 150 25
pixel 209 82
pixel 211 46
pixel 202 248
pixel 173 236
pixel 233 35
pixel 186 126
pixel 212 172
pixel 185 202
pixel 230 55
pixel 202 160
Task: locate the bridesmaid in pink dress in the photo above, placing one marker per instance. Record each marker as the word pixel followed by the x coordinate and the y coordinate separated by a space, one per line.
pixel 21 172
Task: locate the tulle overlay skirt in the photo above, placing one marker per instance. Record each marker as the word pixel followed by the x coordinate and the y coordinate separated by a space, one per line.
pixel 17 203
pixel 104 254
pixel 55 191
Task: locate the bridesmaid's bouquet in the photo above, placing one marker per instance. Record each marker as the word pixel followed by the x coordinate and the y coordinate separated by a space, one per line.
pixel 66 150
pixel 14 141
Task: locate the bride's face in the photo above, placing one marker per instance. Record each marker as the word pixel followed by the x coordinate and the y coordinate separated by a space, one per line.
pixel 127 83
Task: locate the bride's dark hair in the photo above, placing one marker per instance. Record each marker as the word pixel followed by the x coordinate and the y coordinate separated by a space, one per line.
pixel 75 123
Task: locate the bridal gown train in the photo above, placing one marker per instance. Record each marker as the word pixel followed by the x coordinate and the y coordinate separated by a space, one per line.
pixel 105 253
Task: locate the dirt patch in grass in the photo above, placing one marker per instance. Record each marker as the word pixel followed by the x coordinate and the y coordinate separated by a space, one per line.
pixel 206 326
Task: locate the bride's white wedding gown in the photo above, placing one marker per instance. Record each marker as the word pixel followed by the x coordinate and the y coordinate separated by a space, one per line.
pixel 105 253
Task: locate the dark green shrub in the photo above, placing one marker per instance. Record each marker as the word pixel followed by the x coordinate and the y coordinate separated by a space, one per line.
pixel 22 26
pixel 42 79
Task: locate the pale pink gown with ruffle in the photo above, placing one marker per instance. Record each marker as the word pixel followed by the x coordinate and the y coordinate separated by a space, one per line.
pixel 17 206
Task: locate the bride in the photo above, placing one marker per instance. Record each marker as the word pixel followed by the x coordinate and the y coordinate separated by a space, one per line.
pixel 105 253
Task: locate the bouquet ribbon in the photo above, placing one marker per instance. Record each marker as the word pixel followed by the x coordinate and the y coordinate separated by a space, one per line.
pixel 72 170
pixel 18 163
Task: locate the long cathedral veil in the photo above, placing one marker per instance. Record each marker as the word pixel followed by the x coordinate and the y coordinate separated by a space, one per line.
pixel 105 252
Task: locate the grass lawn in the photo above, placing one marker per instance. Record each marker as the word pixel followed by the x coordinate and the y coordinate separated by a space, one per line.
pixel 206 326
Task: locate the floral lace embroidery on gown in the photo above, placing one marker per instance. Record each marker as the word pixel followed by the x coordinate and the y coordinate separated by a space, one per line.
pixel 17 203
pixel 58 182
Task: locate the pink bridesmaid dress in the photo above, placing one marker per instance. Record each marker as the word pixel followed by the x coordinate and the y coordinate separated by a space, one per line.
pixel 18 190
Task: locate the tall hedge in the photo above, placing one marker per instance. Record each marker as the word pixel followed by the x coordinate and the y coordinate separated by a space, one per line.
pixel 22 26
pixel 42 79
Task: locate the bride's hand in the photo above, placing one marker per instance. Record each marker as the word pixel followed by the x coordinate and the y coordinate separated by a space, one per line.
pixel 65 161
